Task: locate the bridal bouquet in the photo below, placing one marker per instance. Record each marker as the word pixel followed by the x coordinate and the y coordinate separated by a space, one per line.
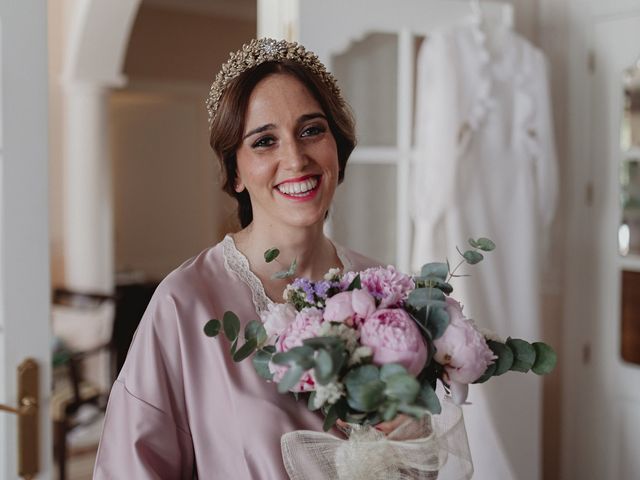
pixel 365 346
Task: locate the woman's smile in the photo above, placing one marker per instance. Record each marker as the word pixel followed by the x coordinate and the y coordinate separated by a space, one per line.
pixel 300 189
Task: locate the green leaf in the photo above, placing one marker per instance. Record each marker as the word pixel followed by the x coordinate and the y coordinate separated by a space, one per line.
pixel 413 410
pixel 271 254
pixel 524 354
pixel 355 284
pixel 473 243
pixel 505 359
pixel 290 378
pixel 389 369
pixel 311 403
pixel 231 325
pixel 437 270
pixel 403 387
pixel 428 399
pixel 423 297
pixel 324 367
pixel 472 257
pixel 212 328
pixel 301 356
pixel 488 373
pixel 247 349
pixel 255 329
pixel 366 397
pixel 390 410
pixel 361 375
pixel 486 244
pixel 437 322
pixel 546 359
pixel 324 342
pixel 288 273
pixel 331 418
pixel 261 363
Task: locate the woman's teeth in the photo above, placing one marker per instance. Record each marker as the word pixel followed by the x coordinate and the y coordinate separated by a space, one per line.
pixel 298 189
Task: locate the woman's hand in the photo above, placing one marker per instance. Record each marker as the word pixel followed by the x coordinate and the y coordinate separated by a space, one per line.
pixel 384 427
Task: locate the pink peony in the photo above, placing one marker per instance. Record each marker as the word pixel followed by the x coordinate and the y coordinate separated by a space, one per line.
pixel 462 349
pixel 276 318
pixel 394 338
pixel 305 325
pixel 349 307
pixel 388 285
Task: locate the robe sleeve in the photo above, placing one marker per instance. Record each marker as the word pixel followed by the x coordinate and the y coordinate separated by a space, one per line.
pixel 146 433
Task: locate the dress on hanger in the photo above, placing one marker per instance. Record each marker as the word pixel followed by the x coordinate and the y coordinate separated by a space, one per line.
pixel 486 166
pixel 181 408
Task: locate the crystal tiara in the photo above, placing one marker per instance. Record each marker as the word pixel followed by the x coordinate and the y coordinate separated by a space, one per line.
pixel 259 51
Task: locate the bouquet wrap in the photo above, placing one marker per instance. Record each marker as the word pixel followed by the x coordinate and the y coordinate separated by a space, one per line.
pixel 418 450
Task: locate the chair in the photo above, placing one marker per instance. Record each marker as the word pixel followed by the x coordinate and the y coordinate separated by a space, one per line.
pixel 83 370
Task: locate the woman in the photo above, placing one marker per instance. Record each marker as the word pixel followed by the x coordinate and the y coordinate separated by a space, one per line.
pixel 181 408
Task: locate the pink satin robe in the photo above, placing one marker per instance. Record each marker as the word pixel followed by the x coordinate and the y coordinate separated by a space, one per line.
pixel 181 408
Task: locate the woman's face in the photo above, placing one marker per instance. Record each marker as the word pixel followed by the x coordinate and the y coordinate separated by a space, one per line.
pixel 288 159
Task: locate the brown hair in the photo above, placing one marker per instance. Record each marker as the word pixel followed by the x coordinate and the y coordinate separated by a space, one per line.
pixel 229 122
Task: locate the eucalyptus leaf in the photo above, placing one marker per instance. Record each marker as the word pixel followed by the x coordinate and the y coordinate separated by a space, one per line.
pixel 212 328
pixel 486 244
pixel 245 350
pixel 287 273
pixel 437 322
pixel 355 284
pixel 403 387
pixel 435 269
pixel 524 355
pixel 311 403
pixel 423 297
pixel 324 342
pixel 231 325
pixel 546 359
pixel 505 359
pixel 389 369
pixel 472 257
pixel 290 378
pixel 473 243
pixel 366 397
pixel 261 363
pixel 324 367
pixel 361 375
pixel 428 399
pixel 488 373
pixel 390 410
pixel 271 254
pixel 331 418
pixel 301 356
pixel 255 329
pixel 413 410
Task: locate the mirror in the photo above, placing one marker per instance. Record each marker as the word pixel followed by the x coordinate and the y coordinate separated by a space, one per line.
pixel 629 231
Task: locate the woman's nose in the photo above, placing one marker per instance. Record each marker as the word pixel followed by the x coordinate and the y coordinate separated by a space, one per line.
pixel 294 157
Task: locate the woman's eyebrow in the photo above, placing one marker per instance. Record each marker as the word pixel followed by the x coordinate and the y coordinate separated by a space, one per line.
pixel 261 129
pixel 311 116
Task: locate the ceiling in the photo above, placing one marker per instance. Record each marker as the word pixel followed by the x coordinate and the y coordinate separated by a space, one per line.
pixel 244 9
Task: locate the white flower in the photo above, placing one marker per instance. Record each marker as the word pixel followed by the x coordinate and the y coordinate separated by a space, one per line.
pixel 360 354
pixel 276 318
pixel 329 393
pixel 287 292
pixel 347 334
pixel 332 274
pixel 490 335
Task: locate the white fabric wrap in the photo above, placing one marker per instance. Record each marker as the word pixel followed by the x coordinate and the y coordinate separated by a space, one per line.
pixel 435 447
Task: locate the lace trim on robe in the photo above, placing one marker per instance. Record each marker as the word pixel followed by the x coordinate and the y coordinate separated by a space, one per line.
pixel 236 262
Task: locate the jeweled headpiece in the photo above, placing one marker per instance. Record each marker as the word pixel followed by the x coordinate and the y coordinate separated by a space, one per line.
pixel 263 50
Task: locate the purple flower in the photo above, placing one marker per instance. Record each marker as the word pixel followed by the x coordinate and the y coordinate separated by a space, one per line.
pixel 462 349
pixel 394 338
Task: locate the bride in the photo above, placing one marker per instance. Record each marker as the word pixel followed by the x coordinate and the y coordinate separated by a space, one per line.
pixel 181 408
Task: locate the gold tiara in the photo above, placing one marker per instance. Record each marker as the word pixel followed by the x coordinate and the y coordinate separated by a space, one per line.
pixel 259 51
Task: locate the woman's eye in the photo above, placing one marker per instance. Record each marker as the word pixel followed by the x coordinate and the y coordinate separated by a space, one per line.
pixel 313 130
pixel 263 142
